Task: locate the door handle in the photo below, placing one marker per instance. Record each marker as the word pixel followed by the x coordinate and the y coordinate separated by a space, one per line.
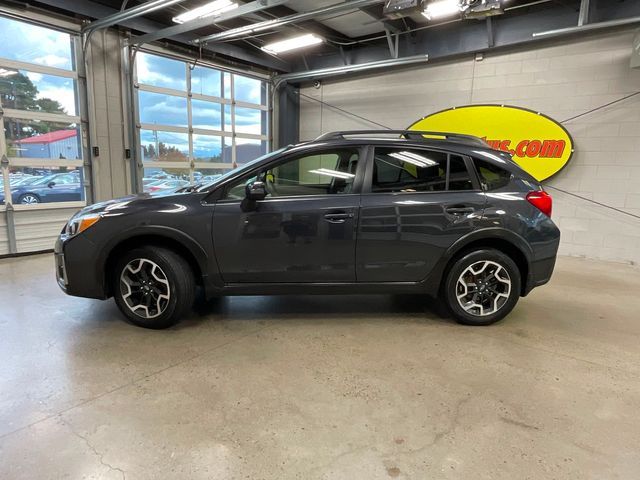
pixel 458 210
pixel 337 217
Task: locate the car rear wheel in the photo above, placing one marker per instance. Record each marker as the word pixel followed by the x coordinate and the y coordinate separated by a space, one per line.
pixel 482 287
pixel 29 199
pixel 153 286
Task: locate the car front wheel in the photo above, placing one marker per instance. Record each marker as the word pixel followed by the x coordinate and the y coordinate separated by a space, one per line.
pixel 153 286
pixel 482 287
pixel 29 199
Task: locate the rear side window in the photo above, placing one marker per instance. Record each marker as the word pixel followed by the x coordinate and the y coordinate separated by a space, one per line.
pixel 492 176
pixel 413 170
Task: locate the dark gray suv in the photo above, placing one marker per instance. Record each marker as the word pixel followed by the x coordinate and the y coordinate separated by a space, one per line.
pixel 377 212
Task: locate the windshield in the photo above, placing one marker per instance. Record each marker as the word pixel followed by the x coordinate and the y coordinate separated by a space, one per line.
pixel 44 180
pixel 246 166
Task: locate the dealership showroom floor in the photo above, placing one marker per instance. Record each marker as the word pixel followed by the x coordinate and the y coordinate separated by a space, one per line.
pixel 420 164
pixel 323 386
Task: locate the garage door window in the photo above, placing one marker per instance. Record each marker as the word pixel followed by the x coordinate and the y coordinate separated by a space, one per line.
pixel 42 129
pixel 196 122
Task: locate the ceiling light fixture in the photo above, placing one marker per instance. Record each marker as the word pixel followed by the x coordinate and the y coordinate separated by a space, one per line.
pixel 292 43
pixel 441 8
pixel 207 10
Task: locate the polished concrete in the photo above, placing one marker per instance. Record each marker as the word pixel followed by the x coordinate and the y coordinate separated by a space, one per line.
pixel 322 387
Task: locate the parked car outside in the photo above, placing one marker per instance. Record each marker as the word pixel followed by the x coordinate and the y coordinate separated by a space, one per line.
pixel 166 185
pixel 59 187
pixel 442 215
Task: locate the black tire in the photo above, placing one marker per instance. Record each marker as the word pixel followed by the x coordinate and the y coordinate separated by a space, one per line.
pixel 35 197
pixel 450 286
pixel 180 284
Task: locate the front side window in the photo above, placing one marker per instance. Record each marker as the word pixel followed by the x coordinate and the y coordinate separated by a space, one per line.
pixel 407 170
pixel 321 173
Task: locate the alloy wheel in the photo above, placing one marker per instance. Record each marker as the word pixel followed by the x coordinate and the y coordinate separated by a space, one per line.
pixel 483 288
pixel 145 288
pixel 29 199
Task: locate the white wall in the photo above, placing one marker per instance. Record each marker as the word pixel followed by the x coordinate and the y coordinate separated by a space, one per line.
pixel 107 120
pixel 561 80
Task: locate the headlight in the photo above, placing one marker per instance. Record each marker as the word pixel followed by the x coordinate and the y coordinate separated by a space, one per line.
pixel 79 224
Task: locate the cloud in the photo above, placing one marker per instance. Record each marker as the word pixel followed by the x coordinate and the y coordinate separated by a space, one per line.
pixel 52 60
pixel 160 71
pixel 31 43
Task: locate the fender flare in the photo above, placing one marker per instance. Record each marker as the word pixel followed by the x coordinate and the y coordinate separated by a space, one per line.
pixel 490 233
pixel 196 250
pixel 434 280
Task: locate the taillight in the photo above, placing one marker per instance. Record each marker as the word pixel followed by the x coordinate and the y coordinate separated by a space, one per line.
pixel 541 200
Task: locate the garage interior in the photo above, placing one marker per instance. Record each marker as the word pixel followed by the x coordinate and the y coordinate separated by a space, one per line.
pixel 114 97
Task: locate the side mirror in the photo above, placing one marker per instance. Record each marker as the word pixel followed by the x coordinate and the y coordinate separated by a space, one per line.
pixel 51 184
pixel 255 191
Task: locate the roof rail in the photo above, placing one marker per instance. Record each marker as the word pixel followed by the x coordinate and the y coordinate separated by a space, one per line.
pixel 408 134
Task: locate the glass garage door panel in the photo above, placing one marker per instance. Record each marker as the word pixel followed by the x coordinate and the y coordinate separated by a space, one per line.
pixel 206 115
pixel 249 90
pixel 161 109
pixel 30 43
pixel 164 146
pixel 42 139
pixel 160 71
pixel 40 185
pixel 206 81
pixel 24 90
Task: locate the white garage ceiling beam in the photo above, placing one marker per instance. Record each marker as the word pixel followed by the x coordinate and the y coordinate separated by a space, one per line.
pixel 244 9
pixel 240 32
pixel 130 13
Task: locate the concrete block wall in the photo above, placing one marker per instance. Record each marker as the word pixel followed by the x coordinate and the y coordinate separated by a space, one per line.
pixel 562 80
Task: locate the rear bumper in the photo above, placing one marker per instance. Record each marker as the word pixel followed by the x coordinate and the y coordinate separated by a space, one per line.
pixel 540 273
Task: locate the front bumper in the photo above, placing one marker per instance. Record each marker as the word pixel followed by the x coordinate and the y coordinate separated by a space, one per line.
pixel 61 269
pixel 77 267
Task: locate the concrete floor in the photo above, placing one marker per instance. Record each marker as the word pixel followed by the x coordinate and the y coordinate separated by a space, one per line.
pixel 322 387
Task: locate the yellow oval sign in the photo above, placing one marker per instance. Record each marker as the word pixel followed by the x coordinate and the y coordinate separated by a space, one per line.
pixel 539 144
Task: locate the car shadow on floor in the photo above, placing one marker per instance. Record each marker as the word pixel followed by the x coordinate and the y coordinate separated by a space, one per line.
pixel 333 307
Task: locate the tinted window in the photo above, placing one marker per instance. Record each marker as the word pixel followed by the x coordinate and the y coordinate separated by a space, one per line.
pixel 413 170
pixel 322 173
pixel 458 174
pixel 492 176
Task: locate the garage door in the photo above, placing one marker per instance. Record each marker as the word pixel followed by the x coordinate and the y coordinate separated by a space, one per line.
pixel 42 147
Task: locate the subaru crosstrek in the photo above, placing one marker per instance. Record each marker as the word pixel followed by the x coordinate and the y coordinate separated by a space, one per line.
pixel 356 212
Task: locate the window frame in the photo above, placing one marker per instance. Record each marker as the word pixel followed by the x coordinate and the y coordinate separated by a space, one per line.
pixel 77 73
pixel 363 150
pixel 228 137
pixel 468 162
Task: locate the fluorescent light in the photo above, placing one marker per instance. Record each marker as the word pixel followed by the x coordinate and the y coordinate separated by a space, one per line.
pixel 332 173
pixel 207 10
pixel 441 8
pixel 413 159
pixel 7 73
pixel 292 43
